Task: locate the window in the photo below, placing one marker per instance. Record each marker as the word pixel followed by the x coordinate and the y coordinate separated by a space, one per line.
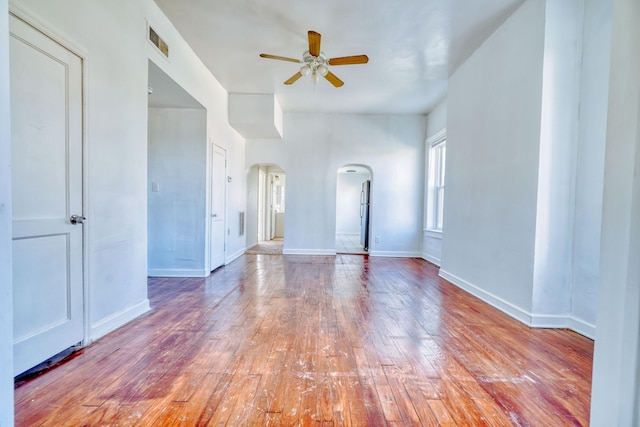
pixel 437 150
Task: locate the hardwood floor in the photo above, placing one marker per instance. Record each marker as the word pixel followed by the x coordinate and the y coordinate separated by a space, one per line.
pixel 349 244
pixel 297 340
pixel 267 247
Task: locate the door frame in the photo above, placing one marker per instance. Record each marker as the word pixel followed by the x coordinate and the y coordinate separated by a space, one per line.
pixel 369 170
pixel 272 214
pixel 272 198
pixel 47 30
pixel 262 184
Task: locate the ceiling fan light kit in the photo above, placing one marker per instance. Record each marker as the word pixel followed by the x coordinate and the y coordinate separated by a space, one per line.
pixel 316 64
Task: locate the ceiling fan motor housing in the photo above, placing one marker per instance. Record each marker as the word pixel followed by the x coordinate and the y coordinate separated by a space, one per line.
pixel 314 65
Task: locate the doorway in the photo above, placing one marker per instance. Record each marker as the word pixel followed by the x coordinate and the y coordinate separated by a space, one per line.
pixel 353 189
pixel 266 209
pixel 177 202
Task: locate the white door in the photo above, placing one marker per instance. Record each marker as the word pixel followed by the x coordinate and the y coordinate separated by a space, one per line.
pixel 218 197
pixel 46 145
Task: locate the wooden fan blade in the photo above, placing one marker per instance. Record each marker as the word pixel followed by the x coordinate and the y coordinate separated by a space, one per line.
pixel 280 58
pixel 314 43
pixel 293 78
pixel 348 60
pixel 333 79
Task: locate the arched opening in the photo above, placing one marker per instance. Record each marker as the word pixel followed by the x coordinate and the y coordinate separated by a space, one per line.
pixel 266 199
pixel 353 209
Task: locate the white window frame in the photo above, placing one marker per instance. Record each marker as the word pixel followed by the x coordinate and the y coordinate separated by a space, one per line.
pixel 435 149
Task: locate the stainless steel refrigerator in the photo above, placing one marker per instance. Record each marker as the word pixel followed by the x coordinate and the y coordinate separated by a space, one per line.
pixel 364 214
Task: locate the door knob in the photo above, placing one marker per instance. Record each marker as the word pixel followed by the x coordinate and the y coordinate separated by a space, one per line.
pixel 214 215
pixel 77 219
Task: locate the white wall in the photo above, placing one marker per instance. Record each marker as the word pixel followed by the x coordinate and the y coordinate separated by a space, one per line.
pixel 115 151
pixel 349 187
pixel 437 119
pixel 493 135
pixel 189 73
pixel 616 365
pixel 432 242
pixel 524 165
pixel 255 115
pixel 112 38
pixel 312 150
pixel 236 199
pixel 6 298
pixel 177 210
pixel 590 159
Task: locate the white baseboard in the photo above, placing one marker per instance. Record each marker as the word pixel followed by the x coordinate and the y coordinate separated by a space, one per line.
pixel 388 254
pixel 113 322
pixel 395 254
pixel 533 320
pixel 431 259
pixel 177 272
pixel 582 327
pixel 234 256
pixel 548 321
pixel 567 321
pixel 497 302
pixel 309 251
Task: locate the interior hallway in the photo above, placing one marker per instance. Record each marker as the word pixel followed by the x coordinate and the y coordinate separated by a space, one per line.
pixel 267 247
pixel 344 340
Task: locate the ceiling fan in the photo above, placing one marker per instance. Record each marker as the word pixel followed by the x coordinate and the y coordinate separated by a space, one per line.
pixel 317 64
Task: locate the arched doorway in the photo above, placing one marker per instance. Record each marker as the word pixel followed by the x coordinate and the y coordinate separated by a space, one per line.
pixel 353 189
pixel 266 209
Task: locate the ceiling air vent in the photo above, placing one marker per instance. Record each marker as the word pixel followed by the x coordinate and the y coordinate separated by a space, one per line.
pixel 155 39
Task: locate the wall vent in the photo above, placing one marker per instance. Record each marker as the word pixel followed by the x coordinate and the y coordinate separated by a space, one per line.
pixel 241 225
pixel 157 41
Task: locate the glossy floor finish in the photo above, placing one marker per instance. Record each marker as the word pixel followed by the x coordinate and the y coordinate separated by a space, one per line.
pixel 349 244
pixel 297 340
pixel 267 247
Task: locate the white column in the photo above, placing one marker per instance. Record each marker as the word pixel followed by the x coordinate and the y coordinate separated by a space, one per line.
pixel 555 210
pixel 615 387
pixel 6 298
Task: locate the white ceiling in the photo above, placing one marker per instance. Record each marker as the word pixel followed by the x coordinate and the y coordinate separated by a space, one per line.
pixel 412 45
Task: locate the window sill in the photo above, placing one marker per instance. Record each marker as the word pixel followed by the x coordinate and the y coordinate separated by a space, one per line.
pixel 433 234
